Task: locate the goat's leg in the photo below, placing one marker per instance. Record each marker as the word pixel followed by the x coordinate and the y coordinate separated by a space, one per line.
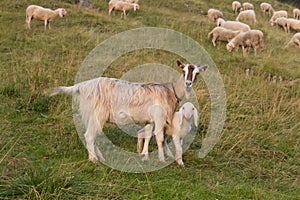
pixel 167 149
pixel 90 139
pixel 147 136
pixel 178 147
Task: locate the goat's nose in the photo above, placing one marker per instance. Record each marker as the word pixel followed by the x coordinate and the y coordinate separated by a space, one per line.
pixel 188 83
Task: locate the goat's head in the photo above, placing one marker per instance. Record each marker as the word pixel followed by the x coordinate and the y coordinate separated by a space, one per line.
pixel 188 111
pixel 62 12
pixel 190 72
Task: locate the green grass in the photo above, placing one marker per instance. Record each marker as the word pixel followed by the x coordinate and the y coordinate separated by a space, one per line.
pixel 42 157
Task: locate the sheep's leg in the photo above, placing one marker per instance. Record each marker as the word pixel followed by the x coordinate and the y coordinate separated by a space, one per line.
pixel 168 151
pixel 178 147
pixel 124 11
pixel 244 50
pixel 90 139
pixel 28 22
pixel 46 23
pixel 147 135
pixel 214 41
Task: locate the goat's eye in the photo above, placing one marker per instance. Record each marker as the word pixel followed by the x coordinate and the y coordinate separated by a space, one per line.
pixel 192 108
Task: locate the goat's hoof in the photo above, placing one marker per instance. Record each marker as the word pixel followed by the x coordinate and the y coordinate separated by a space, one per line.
pixel 145 157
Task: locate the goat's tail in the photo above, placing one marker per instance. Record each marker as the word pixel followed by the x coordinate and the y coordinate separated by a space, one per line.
pixel 63 89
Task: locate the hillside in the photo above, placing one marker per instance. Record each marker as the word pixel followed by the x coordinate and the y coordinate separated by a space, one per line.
pixel 42 157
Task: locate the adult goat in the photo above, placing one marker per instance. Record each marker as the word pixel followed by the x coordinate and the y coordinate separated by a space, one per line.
pixel 122 102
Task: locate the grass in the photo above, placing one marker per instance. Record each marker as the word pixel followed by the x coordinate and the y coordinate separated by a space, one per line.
pixel 42 157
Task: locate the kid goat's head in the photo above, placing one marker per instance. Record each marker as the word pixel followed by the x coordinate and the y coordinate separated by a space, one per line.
pixel 190 72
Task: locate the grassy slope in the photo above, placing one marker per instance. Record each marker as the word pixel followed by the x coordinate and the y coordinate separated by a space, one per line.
pixel 41 156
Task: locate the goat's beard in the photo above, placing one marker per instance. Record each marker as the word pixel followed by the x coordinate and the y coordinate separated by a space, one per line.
pixel 187 92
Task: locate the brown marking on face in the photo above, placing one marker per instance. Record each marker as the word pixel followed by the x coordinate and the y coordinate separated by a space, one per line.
pixel 190 72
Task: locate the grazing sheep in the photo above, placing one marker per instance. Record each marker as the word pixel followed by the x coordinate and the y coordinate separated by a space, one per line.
pixel 277 14
pixel 247 15
pixel 266 8
pixel 214 14
pixel 252 38
pixel 121 6
pixel 181 126
pixel 296 13
pixel 295 40
pixel 293 24
pixel 282 22
pixel 236 6
pixel 233 25
pixel 42 14
pixel 102 100
pixel 222 34
pixel 248 6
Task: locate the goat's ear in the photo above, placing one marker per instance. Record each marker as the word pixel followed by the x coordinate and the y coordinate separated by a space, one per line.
pixel 180 116
pixel 202 68
pixel 180 64
pixel 196 117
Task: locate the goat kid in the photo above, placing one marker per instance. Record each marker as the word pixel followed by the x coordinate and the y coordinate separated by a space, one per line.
pixel 181 126
pixel 102 100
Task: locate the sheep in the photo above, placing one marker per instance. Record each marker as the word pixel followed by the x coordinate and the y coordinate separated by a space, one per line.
pixel 222 34
pixel 103 99
pixel 266 8
pixel 282 22
pixel 236 6
pixel 296 13
pixel 295 40
pixel 214 14
pixel 252 38
pixel 121 6
pixel 293 24
pixel 42 14
pixel 248 6
pixel 233 25
pixel 247 15
pixel 277 14
pixel 180 127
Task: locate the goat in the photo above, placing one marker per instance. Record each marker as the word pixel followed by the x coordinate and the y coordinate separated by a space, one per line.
pixel 103 99
pixel 181 126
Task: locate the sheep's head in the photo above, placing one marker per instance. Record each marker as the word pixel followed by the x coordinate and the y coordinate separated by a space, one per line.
pixel 220 21
pixel 188 111
pixel 190 73
pixel 230 46
pixel 62 12
pixel 136 6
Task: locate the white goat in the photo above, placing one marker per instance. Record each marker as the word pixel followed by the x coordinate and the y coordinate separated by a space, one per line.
pixel 42 14
pixel 247 15
pixel 277 14
pixel 236 6
pixel 121 102
pixel 266 8
pixel 122 6
pixel 180 127
pixel 295 40
pixel 222 34
pixel 233 25
pixel 252 38
pixel 296 13
pixel 248 6
pixel 214 14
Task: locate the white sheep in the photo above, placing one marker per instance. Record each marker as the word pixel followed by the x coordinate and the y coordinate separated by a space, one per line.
pixel 247 15
pixel 266 8
pixel 214 14
pixel 293 24
pixel 236 6
pixel 180 127
pixel 121 6
pixel 102 100
pixel 248 6
pixel 296 13
pixel 277 14
pixel 295 40
pixel 252 38
pixel 282 22
pixel 222 34
pixel 42 14
pixel 233 25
